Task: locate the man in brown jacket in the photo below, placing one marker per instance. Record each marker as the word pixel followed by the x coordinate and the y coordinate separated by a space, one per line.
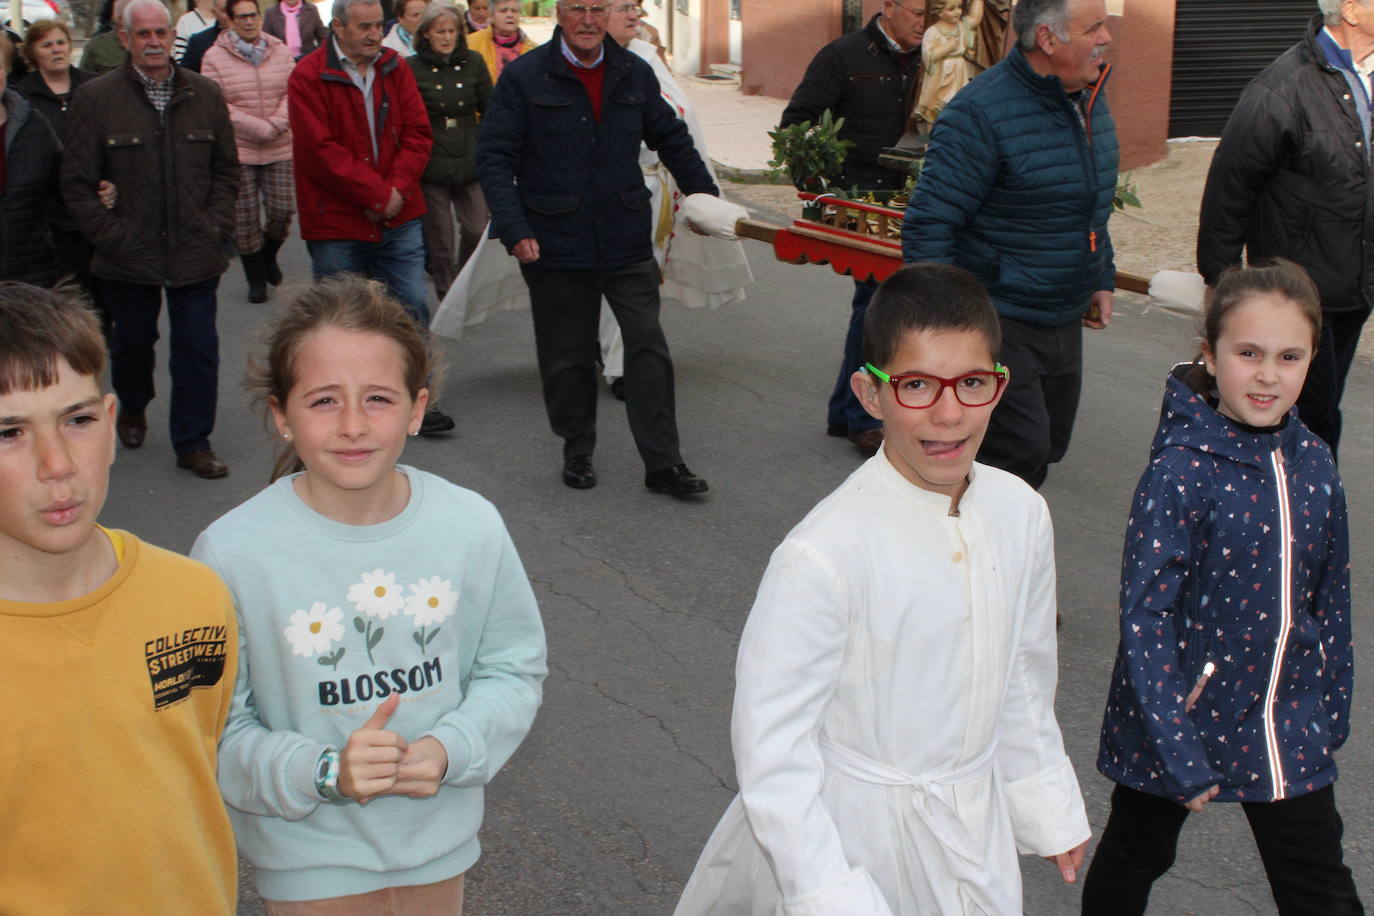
pixel 161 136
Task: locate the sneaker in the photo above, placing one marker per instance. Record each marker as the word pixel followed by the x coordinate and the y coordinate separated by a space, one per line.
pixel 435 422
pixel 675 481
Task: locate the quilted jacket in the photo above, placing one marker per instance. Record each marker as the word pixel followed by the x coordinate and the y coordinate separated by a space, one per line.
pixel 337 175
pixel 177 175
pixel 859 78
pixel 1017 189
pixel 1291 177
pixel 256 96
pixel 1236 554
pixel 28 194
pixel 551 172
pixel 456 89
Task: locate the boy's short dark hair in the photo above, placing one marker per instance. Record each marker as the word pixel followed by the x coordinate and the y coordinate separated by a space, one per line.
pixel 927 297
pixel 37 326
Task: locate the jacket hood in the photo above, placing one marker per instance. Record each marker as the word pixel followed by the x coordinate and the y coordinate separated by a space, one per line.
pixel 1187 421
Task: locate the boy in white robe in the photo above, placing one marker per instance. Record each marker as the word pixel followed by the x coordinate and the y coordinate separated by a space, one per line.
pixel 894 729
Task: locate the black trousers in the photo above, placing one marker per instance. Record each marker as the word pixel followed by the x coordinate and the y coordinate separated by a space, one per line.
pixel 1031 426
pixel 1319 405
pixel 193 356
pixel 566 305
pixel 1299 841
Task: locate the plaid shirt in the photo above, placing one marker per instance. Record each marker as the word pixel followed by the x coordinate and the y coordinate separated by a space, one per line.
pixel 159 93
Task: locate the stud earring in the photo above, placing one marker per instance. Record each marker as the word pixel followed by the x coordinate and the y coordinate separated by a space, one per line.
pixel 286 435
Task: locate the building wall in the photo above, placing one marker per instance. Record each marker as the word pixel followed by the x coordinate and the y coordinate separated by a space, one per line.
pixel 1142 55
pixel 781 37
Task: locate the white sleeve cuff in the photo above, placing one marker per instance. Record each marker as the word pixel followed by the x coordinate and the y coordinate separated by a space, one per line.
pixel 710 215
pixel 853 894
pixel 1047 812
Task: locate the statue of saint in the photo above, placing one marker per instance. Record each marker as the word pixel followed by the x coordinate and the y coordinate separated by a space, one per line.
pixel 948 55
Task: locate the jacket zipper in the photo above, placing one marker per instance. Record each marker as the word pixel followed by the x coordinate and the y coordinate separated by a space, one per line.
pixel 1271 738
pixel 1087 124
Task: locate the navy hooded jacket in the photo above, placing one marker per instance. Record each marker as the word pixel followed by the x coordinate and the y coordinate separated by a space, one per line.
pixel 551 172
pixel 1237 554
pixel 1017 189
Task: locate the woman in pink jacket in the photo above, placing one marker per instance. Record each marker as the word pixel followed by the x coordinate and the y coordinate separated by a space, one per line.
pixel 251 68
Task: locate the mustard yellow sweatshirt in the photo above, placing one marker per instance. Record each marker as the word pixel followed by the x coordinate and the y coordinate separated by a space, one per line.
pixel 111 707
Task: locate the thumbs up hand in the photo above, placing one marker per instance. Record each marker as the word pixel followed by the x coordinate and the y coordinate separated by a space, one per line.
pixel 370 761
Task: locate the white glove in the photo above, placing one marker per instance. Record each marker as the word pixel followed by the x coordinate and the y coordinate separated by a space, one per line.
pixel 1178 291
pixel 709 215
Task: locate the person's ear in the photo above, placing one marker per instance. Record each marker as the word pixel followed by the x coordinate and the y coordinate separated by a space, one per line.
pixel 865 388
pixel 417 412
pixel 110 405
pixel 1044 39
pixel 279 417
pixel 1209 359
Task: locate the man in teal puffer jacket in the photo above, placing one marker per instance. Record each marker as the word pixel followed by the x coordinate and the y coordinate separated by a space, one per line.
pixel 1017 189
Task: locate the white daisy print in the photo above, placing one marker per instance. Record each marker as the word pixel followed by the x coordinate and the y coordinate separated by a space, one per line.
pixel 377 595
pixel 431 601
pixel 314 631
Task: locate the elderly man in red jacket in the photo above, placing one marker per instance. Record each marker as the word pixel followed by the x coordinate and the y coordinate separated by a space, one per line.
pixel 361 140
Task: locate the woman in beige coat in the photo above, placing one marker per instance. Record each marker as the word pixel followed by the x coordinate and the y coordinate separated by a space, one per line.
pixel 251 68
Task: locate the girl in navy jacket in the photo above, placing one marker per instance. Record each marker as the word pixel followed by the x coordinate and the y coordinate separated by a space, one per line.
pixel 1233 675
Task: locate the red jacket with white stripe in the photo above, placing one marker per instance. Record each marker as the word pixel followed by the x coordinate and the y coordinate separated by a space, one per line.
pixel 338 178
pixel 1236 556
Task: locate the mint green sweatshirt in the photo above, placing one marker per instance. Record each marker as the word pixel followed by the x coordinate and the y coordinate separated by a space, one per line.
pixel 433 605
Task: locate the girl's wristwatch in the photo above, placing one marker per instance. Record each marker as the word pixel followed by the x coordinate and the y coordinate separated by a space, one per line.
pixel 327 776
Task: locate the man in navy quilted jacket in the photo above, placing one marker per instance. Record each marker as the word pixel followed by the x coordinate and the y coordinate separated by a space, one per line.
pixel 1017 189
pixel 558 158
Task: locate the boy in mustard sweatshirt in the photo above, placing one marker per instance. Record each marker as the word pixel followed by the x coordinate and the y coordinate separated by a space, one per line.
pixel 117 658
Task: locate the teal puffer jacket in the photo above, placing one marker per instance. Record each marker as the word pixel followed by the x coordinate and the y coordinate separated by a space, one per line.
pixel 1017 190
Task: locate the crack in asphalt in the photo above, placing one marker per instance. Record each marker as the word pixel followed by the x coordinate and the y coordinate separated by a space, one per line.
pixel 600 613
pixel 656 719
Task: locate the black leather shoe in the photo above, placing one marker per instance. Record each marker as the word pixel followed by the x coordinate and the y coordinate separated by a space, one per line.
pixel 578 472
pixel 839 430
pixel 618 388
pixel 675 481
pixel 204 464
pixel 435 422
pixel 132 427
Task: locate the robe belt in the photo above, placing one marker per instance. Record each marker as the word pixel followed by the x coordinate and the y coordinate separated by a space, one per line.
pixel 962 855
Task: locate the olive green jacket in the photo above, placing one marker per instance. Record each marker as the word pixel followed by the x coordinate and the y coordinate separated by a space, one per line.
pixel 455 91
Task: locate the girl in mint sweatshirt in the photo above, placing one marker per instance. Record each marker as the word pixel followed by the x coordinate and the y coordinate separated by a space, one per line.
pixel 392 654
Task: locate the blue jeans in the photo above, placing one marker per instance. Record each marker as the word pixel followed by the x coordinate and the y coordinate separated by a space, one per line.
pixel 845 409
pixel 398 260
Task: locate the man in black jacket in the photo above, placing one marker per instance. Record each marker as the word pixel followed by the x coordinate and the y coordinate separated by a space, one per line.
pixel 869 78
pixel 558 158
pixel 1290 178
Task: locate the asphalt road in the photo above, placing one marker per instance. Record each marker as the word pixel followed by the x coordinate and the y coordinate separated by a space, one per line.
pixel 606 806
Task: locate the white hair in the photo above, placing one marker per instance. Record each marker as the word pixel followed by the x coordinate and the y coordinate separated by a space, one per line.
pixel 1331 10
pixel 128 18
pixel 1030 15
pixel 341 8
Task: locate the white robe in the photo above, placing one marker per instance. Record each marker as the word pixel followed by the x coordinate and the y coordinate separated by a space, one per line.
pixel 697 271
pixel 894 729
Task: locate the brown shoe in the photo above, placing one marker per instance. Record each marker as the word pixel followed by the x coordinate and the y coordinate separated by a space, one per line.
pixel 867 440
pixel 203 464
pixel 132 427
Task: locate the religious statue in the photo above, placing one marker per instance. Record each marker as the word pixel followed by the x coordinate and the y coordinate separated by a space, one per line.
pixel 948 55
